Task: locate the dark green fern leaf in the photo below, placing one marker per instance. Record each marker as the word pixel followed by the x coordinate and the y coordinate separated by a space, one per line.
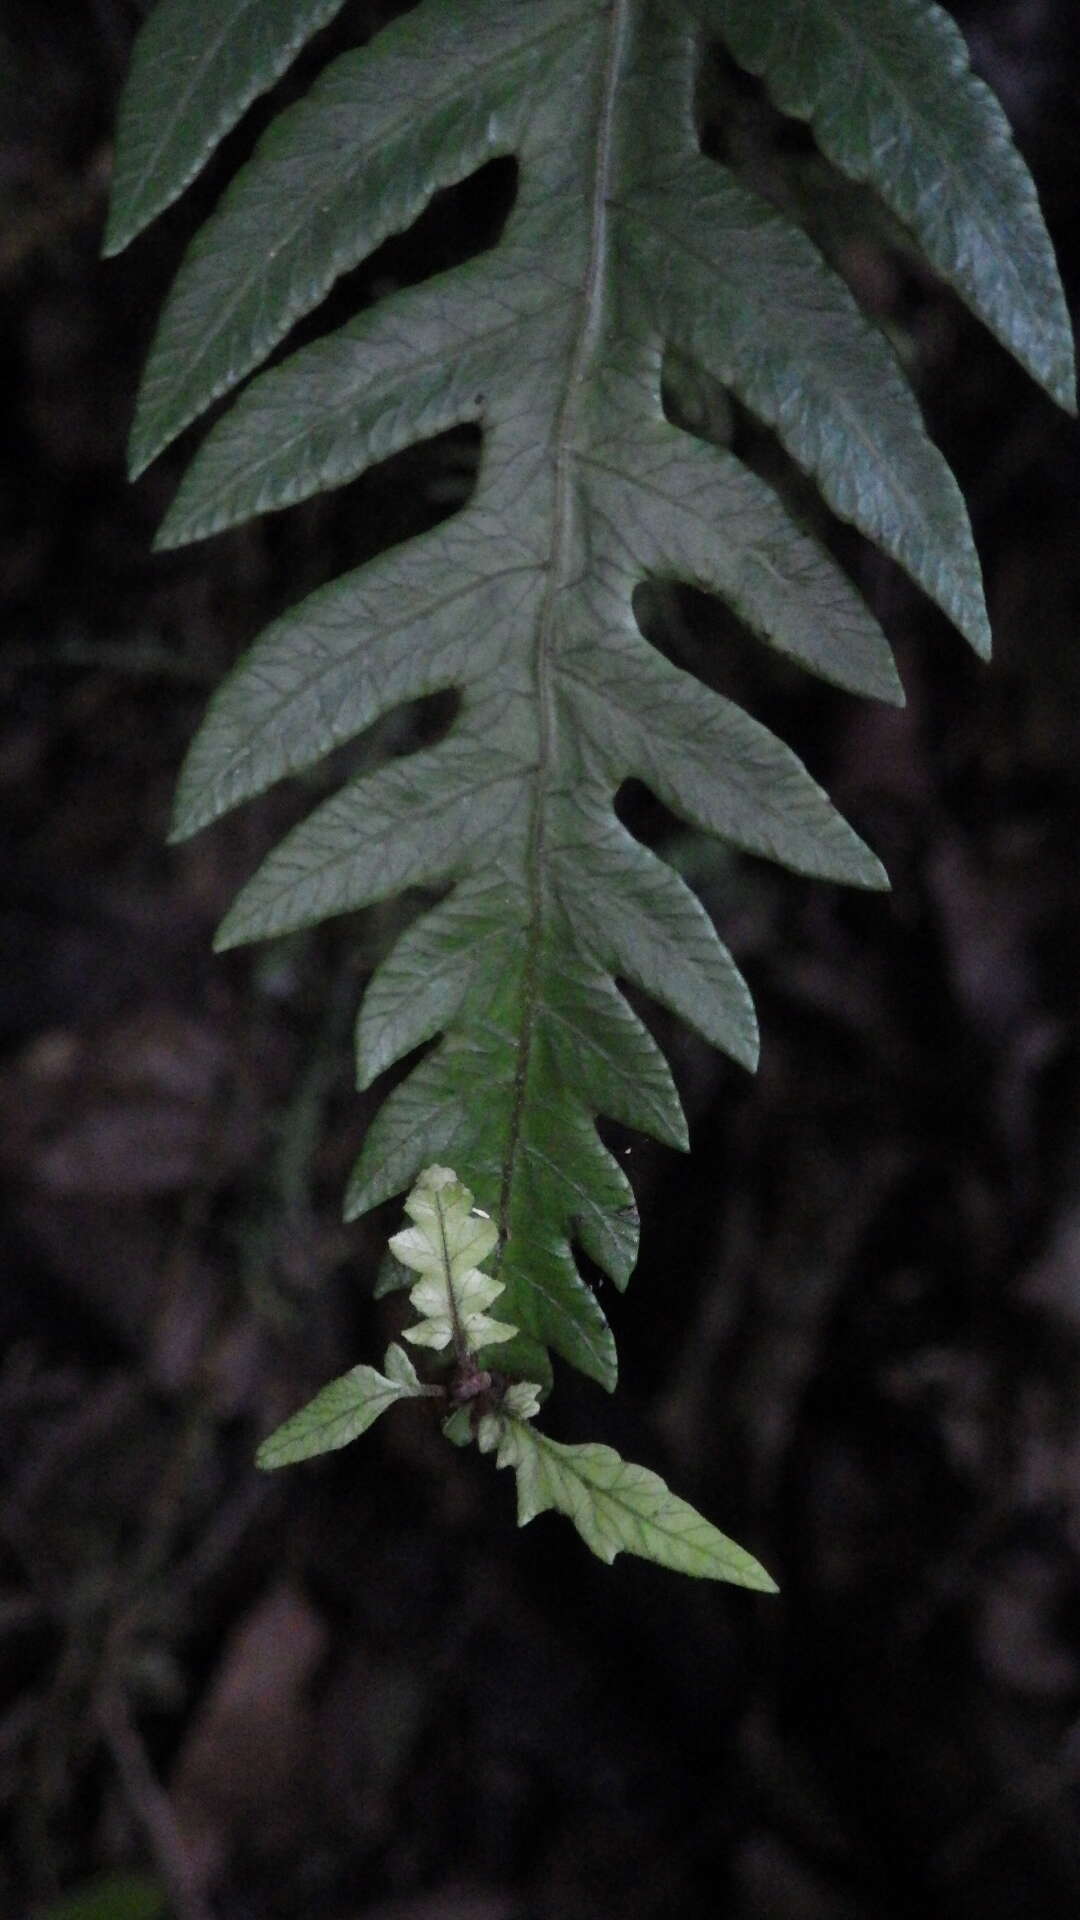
pixel 891 99
pixel 624 246
pixel 198 65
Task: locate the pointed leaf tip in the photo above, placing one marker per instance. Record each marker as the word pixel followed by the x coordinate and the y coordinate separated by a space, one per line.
pixel 902 110
pixel 196 68
pixel 343 1410
pixel 618 1507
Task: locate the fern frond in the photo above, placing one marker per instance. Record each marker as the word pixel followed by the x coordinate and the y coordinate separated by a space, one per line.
pixel 625 247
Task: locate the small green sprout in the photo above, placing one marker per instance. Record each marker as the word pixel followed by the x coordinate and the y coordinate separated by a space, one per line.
pixel 615 1506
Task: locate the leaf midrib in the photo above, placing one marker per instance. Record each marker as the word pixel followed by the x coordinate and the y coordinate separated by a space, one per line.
pixel 562 545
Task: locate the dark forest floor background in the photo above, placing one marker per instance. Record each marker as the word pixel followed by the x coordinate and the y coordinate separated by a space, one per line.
pixel 854 1338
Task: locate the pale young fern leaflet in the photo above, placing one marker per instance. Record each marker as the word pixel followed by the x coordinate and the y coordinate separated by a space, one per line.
pixel 625 246
pixel 616 1507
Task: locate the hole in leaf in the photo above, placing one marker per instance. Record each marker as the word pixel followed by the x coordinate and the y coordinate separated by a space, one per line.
pixel 707 865
pixel 458 223
pixel 697 630
pixel 297 549
pixel 775 155
pixel 699 633
pixel 739 125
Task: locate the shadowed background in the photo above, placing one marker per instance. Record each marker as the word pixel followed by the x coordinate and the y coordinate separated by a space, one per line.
pixel 854 1337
